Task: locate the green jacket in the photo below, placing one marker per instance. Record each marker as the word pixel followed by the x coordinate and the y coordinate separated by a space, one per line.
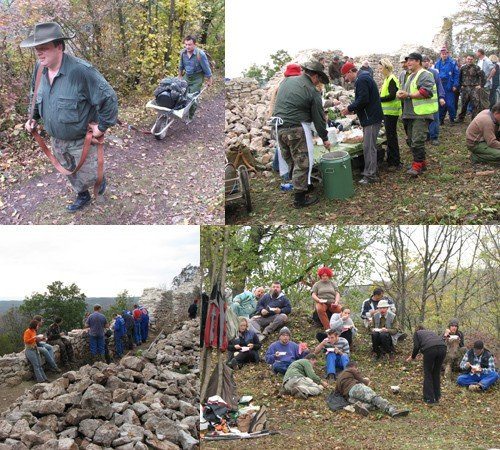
pixel 79 94
pixel 301 368
pixel 298 101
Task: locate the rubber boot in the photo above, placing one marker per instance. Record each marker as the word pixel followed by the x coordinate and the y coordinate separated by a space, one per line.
pixel 301 201
pixel 82 199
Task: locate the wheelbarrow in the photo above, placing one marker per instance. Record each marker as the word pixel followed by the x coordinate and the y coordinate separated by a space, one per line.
pixel 237 185
pixel 165 116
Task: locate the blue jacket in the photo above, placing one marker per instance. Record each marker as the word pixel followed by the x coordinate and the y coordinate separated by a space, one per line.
pixel 437 80
pixel 291 349
pixel 267 302
pixel 366 102
pixel 448 72
pixel 119 327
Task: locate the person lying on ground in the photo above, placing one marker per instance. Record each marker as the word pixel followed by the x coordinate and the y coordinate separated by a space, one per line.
pixel 433 348
pixel 271 313
pixel 369 306
pixel 479 365
pixel 301 381
pixel 326 295
pixel 383 326
pixel 355 388
pixel 284 351
pixel 244 348
pixel 245 303
pixel 343 324
pixel 337 352
pixel 483 137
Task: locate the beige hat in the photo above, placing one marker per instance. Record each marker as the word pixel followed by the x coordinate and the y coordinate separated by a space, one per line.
pixel 383 304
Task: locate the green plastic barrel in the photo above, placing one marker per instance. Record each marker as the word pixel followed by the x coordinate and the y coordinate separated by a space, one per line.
pixel 337 175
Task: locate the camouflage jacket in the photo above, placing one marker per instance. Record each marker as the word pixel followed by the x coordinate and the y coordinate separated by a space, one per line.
pixel 471 75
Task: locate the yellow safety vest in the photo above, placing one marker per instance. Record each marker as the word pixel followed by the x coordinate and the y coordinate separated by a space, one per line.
pixel 424 106
pixel 392 108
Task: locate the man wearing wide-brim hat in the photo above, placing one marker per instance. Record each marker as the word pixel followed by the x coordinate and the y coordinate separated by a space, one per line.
pixel 298 103
pixel 383 327
pixel 71 96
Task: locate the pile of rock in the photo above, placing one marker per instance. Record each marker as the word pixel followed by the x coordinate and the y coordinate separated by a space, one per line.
pixel 148 401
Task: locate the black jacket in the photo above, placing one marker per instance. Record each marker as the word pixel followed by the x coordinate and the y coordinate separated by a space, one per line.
pixel 248 337
pixel 424 340
pixel 366 101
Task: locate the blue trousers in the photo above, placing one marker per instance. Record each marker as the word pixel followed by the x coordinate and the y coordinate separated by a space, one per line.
pixel 48 352
pixel 137 332
pixel 434 128
pixel 96 345
pixel 449 98
pixel 35 361
pixel 281 366
pixel 144 330
pixel 484 379
pixel 335 361
pixel 119 344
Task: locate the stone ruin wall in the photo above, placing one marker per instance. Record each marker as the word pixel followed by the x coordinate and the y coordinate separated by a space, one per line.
pixel 168 308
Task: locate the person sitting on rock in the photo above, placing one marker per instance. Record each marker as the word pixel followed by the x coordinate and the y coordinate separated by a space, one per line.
pixel 301 381
pixel 46 349
pixel 454 339
pixel 244 304
pixel 343 325
pixel 120 331
pixel 244 348
pixel 337 353
pixel 355 388
pixel 55 337
pixel 479 365
pixel 272 312
pixel 383 327
pixel 369 306
pixel 283 352
pixel 31 351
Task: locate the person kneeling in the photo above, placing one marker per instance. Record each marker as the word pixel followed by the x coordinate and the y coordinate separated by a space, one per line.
pixel 355 388
pixel 244 348
pixel 301 381
pixel 284 352
pixel 337 352
pixel 479 364
pixel 482 136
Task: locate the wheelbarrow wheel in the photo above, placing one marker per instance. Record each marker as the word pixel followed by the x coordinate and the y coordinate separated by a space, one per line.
pixel 245 187
pixel 162 123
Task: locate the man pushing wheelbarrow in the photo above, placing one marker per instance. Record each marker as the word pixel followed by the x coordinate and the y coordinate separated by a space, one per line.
pixel 195 67
pixel 77 106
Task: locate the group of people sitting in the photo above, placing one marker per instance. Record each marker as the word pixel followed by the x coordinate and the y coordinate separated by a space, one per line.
pixel 268 312
pixel 128 328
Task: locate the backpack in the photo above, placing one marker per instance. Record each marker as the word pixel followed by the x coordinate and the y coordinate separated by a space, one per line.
pixel 171 93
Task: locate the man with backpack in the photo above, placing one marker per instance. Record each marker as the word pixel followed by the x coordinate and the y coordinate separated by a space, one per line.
pixel 195 67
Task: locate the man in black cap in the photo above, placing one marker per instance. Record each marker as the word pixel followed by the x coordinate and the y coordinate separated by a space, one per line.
pixel 420 103
pixel 70 96
pixel 298 103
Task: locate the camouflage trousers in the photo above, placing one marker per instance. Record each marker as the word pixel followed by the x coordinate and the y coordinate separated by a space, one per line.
pixel 302 387
pixel 294 151
pixel 365 394
pixel 68 153
pixel 477 98
pixel 416 130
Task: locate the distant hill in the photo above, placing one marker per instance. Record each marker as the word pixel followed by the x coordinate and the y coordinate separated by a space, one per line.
pixel 105 302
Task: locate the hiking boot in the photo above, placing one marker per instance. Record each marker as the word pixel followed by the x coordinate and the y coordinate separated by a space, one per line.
pixel 475 387
pixel 360 408
pixel 331 377
pixel 367 180
pixel 55 369
pixel 102 188
pixel 393 412
pixel 416 169
pixel 233 364
pixel 301 201
pixel 81 200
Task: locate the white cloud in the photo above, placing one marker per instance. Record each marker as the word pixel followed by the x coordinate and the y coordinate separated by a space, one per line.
pixel 101 260
pixel 257 29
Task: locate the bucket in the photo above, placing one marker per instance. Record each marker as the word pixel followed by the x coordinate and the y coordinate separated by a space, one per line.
pixel 337 175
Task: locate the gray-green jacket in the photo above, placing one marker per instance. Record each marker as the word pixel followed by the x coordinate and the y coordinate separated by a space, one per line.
pixel 79 94
pixel 298 101
pixel 426 81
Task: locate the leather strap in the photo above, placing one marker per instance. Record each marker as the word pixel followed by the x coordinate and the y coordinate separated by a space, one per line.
pixel 89 140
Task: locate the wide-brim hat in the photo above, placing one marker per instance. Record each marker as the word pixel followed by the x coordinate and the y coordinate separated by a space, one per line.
pixel 383 304
pixel 317 67
pixel 43 33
